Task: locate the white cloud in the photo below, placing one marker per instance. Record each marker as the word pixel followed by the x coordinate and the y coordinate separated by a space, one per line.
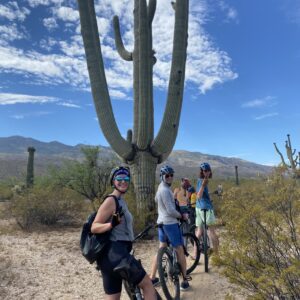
pixel 8 99
pixel 13 12
pixel 35 3
pixel 50 23
pixel 207 65
pixel 68 104
pixel 267 101
pixel 231 14
pixel 48 44
pixel 270 115
pixel 67 14
pixel 10 33
pixel 18 117
pixel 33 114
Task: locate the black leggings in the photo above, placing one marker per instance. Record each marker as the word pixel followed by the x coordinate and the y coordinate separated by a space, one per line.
pixel 111 257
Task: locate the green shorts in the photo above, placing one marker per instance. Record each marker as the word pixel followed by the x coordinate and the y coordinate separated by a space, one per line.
pixel 210 217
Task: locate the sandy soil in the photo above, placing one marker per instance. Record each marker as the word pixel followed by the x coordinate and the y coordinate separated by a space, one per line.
pixel 48 265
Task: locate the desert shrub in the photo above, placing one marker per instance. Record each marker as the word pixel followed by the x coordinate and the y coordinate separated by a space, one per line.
pixel 5 191
pixel 89 177
pixel 260 247
pixel 47 205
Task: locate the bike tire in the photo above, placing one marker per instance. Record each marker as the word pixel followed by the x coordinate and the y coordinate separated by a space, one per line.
pixel 133 297
pixel 166 274
pixel 205 249
pixel 191 241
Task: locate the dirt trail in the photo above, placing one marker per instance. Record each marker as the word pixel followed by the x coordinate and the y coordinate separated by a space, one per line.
pixel 48 265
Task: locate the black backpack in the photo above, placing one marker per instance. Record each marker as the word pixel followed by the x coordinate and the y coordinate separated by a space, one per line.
pixel 92 245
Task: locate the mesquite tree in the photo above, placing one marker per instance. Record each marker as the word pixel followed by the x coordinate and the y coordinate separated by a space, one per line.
pixel 141 150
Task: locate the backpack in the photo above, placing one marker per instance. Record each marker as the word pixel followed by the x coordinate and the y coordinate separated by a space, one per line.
pixel 92 245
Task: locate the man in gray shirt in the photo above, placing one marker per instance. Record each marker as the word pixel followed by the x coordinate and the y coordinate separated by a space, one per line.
pixel 169 217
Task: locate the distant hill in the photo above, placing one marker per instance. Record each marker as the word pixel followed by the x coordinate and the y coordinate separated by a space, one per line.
pixel 13 159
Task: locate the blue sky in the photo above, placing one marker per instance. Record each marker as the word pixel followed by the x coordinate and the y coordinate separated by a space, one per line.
pixel 242 79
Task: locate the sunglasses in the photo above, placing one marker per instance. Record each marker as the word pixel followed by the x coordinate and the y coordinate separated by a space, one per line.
pixel 119 179
pixel 169 175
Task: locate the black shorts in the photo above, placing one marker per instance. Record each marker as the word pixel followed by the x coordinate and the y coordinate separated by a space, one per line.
pixel 113 254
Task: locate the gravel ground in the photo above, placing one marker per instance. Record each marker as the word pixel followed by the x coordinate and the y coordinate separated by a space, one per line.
pixel 47 264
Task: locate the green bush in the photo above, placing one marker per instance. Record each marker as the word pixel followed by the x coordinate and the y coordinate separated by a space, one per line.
pixel 47 205
pixel 260 247
pixel 5 192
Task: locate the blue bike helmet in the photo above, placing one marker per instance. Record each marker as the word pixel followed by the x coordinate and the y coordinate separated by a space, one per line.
pixel 118 171
pixel 165 170
pixel 205 167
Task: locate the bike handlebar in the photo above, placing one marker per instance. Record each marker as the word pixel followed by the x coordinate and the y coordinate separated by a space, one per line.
pixel 144 232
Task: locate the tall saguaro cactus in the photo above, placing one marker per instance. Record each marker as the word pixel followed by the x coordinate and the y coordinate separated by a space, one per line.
pixel 30 167
pixel 141 150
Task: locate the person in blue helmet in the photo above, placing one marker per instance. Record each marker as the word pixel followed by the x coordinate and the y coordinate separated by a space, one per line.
pixel 121 237
pixel 204 202
pixel 168 218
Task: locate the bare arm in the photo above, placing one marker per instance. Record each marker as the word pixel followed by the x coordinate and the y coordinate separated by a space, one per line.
pixel 105 211
pixel 201 190
pixel 175 193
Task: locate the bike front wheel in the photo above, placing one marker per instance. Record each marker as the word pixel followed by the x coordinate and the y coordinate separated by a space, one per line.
pixel 191 251
pixel 168 274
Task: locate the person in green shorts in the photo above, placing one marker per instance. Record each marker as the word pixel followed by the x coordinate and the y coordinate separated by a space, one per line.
pixel 204 202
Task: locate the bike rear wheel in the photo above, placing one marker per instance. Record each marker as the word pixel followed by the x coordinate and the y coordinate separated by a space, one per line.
pixel 168 275
pixel 190 243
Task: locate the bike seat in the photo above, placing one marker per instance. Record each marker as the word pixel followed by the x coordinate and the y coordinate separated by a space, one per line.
pixel 123 268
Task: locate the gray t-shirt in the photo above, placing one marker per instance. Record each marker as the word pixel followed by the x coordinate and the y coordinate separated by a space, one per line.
pixel 167 213
pixel 123 231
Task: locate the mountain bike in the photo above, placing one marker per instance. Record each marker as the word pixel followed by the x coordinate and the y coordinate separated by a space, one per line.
pixel 169 268
pixel 204 242
pixel 191 247
pixel 133 291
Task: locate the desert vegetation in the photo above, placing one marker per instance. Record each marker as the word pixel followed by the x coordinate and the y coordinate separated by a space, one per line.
pixel 260 248
pixel 258 219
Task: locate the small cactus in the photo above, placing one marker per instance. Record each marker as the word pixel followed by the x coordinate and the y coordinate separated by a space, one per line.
pixel 30 167
pixel 236 175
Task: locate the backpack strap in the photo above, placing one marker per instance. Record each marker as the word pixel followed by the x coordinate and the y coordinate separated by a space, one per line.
pixel 116 201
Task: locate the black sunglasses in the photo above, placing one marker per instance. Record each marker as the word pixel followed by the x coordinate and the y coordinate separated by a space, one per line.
pixel 169 175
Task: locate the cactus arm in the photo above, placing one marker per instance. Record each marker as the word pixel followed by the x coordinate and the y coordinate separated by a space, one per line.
pixel 89 31
pixel 126 55
pixel 143 139
pixel 151 10
pixel 136 67
pixel 289 152
pixel 280 154
pixel 129 136
pixel 164 142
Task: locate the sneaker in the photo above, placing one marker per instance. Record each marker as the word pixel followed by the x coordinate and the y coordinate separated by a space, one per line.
pixel 155 281
pixel 184 285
